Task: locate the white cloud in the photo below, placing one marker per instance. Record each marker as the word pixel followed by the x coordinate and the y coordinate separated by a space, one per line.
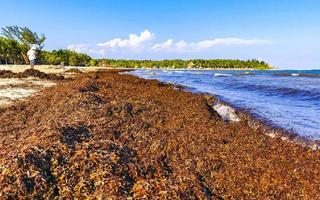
pixel 165 45
pixel 134 41
pixel 171 46
pixel 230 41
pixel 86 49
pixel 80 48
pixel 183 46
pixel 142 44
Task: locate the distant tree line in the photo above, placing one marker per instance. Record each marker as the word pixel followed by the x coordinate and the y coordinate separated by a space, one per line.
pixel 177 63
pixel 16 41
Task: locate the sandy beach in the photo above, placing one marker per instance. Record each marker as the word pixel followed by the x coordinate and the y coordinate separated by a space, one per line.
pixel 56 69
pixel 104 135
pixel 24 85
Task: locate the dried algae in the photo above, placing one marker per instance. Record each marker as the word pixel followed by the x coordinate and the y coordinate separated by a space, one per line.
pixel 110 136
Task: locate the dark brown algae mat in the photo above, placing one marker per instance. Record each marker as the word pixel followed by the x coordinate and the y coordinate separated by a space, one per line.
pixel 104 135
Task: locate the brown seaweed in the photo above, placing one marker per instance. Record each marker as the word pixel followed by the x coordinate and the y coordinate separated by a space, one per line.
pixel 105 135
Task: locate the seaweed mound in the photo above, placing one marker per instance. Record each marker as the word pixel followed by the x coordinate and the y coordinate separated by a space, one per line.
pixel 30 73
pixel 77 71
pixel 7 74
pixel 110 136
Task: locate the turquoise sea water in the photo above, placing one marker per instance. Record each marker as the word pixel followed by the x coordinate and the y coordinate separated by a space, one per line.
pixel 287 99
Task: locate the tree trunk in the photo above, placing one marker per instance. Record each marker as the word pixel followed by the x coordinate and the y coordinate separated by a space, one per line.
pixel 25 58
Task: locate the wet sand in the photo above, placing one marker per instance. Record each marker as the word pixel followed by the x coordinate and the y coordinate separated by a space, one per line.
pixel 105 135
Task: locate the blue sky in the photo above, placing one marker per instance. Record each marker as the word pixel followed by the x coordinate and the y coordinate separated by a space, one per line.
pixel 284 33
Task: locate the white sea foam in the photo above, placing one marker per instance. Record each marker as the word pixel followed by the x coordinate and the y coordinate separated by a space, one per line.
pixel 219 74
pixel 227 113
pixel 151 74
pixel 178 72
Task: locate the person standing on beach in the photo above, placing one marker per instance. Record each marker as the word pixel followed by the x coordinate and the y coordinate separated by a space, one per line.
pixel 32 55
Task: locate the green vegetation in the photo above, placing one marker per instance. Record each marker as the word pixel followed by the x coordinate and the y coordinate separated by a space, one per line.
pixel 10 51
pixel 65 57
pixel 16 41
pixel 197 63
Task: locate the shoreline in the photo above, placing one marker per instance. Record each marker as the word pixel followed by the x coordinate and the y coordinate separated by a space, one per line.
pixel 59 68
pixel 270 129
pixel 137 142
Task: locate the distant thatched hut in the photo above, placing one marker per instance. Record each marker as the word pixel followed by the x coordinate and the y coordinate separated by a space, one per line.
pixel 190 65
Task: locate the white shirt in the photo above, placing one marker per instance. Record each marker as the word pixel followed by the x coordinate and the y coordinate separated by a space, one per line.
pixel 32 54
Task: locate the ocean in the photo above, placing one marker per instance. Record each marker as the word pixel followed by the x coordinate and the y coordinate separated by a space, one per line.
pixel 286 99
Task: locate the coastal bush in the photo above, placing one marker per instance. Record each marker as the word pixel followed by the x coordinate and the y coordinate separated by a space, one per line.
pixel 195 63
pixel 65 57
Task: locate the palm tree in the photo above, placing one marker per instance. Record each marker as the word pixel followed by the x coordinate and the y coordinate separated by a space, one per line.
pixel 25 37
